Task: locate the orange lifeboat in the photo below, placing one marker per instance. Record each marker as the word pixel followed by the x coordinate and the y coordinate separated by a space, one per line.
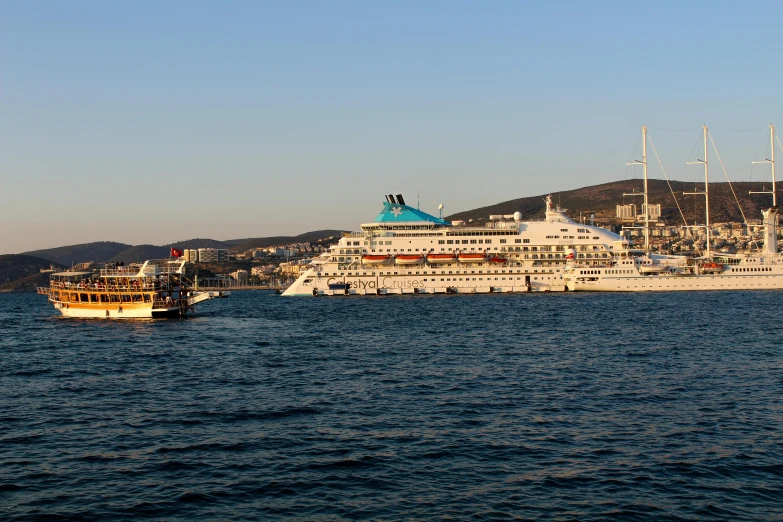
pixel 441 258
pixel 497 259
pixel 409 259
pixel 471 258
pixel 376 260
pixel 712 267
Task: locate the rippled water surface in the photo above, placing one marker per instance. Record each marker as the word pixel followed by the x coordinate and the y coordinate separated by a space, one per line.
pixel 569 406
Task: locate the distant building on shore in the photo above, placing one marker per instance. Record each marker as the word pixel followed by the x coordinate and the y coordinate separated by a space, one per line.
pixel 626 211
pixel 240 276
pixel 190 255
pixel 213 255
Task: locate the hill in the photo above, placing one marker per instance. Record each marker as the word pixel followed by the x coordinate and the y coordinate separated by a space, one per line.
pixel 263 242
pixel 602 200
pixel 27 284
pixel 100 251
pixel 199 243
pixel 141 253
pixel 104 251
pixel 19 272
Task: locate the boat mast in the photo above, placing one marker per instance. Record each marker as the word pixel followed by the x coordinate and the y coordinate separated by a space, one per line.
pixel 771 214
pixel 771 161
pixel 645 206
pixel 706 192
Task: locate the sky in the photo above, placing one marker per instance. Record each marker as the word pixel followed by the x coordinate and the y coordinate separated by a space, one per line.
pixel 153 122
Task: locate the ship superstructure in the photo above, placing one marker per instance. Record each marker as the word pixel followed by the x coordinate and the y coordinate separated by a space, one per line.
pixel 407 251
pixel 151 290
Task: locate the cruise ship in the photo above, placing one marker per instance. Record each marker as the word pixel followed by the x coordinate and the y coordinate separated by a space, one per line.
pixel 638 270
pixel 407 251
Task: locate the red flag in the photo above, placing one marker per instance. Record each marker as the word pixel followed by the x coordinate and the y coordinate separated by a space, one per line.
pixel 176 253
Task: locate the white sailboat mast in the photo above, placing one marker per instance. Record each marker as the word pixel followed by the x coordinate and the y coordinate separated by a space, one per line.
pixel 771 161
pixel 645 206
pixel 706 192
pixel 771 214
pixel 646 201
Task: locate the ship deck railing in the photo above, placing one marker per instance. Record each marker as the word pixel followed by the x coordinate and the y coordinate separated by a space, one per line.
pixel 149 271
pixel 146 287
pixel 119 272
pixel 159 303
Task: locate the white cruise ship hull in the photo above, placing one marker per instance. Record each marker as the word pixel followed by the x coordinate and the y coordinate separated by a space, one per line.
pixel 311 284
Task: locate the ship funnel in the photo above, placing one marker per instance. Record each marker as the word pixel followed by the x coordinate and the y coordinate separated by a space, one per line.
pixel 390 199
pixel 400 200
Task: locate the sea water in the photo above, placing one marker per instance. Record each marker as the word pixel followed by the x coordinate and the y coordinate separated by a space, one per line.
pixel 489 407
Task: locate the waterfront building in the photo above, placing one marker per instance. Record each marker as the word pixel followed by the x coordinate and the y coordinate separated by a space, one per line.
pixel 212 255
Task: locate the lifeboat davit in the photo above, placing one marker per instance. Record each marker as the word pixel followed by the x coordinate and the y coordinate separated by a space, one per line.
pixel 497 259
pixel 375 260
pixel 409 259
pixel 441 258
pixel 472 258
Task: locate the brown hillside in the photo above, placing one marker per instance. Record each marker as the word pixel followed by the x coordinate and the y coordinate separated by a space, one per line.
pixel 603 199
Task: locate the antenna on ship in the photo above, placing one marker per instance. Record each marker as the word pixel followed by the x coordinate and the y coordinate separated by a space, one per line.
pixel 706 192
pixel 440 210
pixel 645 206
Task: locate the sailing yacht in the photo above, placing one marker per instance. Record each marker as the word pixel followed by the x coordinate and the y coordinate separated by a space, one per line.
pixel 637 270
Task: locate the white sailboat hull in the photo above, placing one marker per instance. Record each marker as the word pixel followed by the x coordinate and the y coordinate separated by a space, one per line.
pixel 677 283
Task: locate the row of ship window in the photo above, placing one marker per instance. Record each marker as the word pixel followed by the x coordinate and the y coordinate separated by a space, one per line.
pixel 435 234
pixel 454 234
pixel 596 238
pixel 760 269
pixel 73 297
pixel 467 241
pixel 588 272
pixel 581 248
pixel 525 256
pixel 535 271
pixel 481 279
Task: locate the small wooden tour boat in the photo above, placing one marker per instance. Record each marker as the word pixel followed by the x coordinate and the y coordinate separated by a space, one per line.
pixel 153 289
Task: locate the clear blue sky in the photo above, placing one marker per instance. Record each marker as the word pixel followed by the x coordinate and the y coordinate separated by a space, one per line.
pixel 152 122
